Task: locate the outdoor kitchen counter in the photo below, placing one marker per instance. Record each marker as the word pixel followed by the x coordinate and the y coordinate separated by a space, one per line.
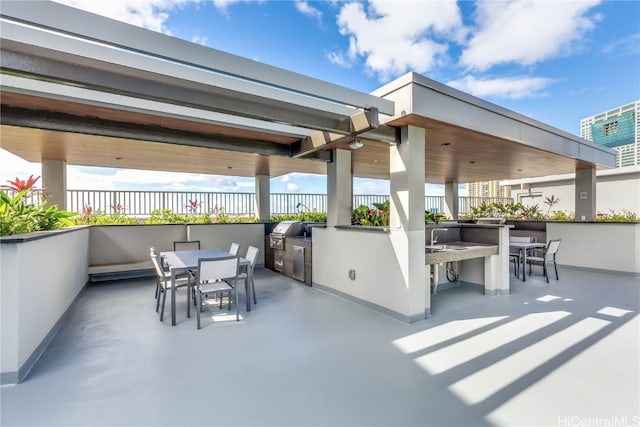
pixel 458 251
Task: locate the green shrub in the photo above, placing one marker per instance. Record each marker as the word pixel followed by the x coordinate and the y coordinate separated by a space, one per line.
pixel 613 216
pixel 18 215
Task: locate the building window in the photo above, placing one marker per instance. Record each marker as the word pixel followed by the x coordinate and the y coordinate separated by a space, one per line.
pixel 611 128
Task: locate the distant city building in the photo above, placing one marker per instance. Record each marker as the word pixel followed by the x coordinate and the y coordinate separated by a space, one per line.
pixel 488 189
pixel 618 129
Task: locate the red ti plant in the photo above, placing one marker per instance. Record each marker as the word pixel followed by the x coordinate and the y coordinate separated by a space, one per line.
pixel 22 185
pixel 193 205
pixel 118 208
pixel 87 210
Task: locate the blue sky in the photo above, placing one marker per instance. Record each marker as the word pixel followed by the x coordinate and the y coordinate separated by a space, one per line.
pixel 555 61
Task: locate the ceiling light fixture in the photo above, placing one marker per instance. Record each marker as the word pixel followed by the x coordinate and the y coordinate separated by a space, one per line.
pixel 445 144
pixel 355 144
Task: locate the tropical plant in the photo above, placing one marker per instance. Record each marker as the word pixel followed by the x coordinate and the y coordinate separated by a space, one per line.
pixel 91 217
pixel 551 201
pixel 18 215
pixel 613 216
pixel 483 210
pixel 561 216
pixel 376 216
pixel 434 217
pixel 531 213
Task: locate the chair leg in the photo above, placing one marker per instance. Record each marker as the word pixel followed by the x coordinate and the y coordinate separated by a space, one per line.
pixel 158 300
pixel 253 292
pixel 199 305
pixel 545 270
pixel 164 298
pixel 555 266
pixel 188 302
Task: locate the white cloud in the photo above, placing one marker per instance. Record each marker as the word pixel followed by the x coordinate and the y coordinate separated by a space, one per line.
pixel 12 167
pixel 306 9
pixel 629 45
pixel 395 37
pixel 506 87
pixel 151 14
pixel 339 58
pixel 526 31
pixel 370 186
pixel 224 4
pixel 200 39
pixel 292 188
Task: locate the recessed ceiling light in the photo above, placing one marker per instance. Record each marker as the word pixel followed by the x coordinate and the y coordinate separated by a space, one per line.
pixel 445 144
pixel 118 158
pixel 355 144
pixel 229 167
pixel 471 162
pixel 519 170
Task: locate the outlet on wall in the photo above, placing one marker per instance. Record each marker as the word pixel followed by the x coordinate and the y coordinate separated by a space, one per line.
pixel 352 274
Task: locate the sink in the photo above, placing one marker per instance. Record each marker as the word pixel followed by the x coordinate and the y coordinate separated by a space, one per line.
pixel 442 248
pixel 458 251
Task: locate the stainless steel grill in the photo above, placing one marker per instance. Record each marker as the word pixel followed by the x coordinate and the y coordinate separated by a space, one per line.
pixel 277 237
pixel 283 230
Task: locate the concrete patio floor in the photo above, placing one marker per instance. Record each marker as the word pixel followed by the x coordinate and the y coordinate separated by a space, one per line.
pixel 562 354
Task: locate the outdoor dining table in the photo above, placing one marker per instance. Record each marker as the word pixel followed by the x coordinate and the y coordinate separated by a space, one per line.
pixel 182 261
pixel 524 247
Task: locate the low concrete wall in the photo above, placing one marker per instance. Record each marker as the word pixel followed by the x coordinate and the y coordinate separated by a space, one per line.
pixel 118 248
pixel 600 246
pixel 113 247
pixel 39 280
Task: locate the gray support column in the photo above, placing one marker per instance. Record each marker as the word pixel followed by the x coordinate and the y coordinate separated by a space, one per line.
pixel 451 205
pixel 54 180
pixel 339 189
pixel 406 218
pixel 263 197
pixel 585 194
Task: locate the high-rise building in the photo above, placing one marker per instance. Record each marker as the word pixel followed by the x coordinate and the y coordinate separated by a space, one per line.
pixel 488 189
pixel 618 129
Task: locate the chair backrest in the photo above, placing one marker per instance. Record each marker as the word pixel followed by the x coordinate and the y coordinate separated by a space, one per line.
pixel 157 263
pixel 235 247
pixel 192 245
pixel 552 248
pixel 212 269
pixel 520 239
pixel 252 255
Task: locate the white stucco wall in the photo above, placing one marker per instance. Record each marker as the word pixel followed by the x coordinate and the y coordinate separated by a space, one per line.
pixel 39 281
pixel 606 246
pixel 121 244
pixel 616 189
pixel 379 273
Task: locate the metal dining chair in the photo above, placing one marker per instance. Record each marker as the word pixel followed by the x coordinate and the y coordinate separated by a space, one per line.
pixel 217 276
pixel 548 256
pixel 247 275
pixel 190 245
pixel 516 256
pixel 235 247
pixel 187 245
pixel 164 283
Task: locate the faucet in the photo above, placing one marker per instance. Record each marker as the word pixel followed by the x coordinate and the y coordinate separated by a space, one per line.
pixel 434 238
